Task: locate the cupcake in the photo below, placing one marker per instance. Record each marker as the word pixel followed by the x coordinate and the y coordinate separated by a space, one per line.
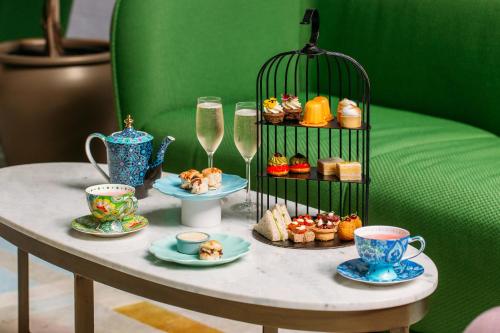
pixel 349 114
pixel 273 111
pixel 291 106
pixel 326 226
pixel 299 164
pixel 277 165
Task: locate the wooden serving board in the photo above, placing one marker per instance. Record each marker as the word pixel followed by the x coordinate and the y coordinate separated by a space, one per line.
pixel 315 245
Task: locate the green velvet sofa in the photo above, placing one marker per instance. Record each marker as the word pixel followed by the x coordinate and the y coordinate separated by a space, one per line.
pixel 433 66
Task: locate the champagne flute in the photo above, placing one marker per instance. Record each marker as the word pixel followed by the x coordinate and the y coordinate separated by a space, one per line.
pixel 245 138
pixel 209 125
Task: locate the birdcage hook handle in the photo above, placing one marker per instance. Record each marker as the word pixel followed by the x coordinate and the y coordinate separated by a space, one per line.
pixel 311 16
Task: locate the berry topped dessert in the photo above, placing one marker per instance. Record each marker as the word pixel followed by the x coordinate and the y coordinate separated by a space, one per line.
pixel 357 220
pixel 346 229
pixel 277 165
pixel 292 107
pixel 326 226
pixel 299 164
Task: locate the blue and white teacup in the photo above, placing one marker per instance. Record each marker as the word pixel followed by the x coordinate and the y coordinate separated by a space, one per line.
pixel 382 247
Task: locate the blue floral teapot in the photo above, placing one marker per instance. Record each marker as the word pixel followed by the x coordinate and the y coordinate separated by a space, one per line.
pixel 129 153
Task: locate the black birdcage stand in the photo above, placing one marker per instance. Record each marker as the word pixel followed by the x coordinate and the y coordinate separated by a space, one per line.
pixel 307 73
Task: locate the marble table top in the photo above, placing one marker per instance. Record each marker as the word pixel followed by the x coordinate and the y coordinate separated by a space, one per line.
pixel 40 200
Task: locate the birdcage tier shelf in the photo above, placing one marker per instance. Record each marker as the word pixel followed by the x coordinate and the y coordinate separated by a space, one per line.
pixel 307 73
pixel 315 175
pixel 334 124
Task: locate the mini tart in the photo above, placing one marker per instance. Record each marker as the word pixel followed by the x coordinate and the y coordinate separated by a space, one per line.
pixel 277 165
pixel 291 106
pixel 273 112
pixel 299 164
pixel 324 231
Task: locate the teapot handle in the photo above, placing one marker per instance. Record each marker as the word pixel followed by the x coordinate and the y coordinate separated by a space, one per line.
pixel 89 153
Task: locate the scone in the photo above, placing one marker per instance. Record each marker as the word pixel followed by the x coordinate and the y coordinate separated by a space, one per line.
pixel 214 176
pixel 199 185
pixel 210 250
pixel 186 177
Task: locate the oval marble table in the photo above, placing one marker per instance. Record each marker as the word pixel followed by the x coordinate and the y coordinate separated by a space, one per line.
pixel 271 286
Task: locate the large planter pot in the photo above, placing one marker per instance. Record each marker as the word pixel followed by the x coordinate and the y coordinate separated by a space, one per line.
pixel 48 105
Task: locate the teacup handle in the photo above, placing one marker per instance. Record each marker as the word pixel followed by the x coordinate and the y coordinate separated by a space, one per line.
pixel 422 245
pixel 89 153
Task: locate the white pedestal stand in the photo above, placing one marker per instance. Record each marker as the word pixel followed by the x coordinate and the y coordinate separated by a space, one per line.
pixel 201 214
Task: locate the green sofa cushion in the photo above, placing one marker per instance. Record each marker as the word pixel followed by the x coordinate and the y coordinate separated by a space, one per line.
pixel 427 56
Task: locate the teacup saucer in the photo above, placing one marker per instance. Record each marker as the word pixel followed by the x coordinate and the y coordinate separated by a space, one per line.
pixel 356 269
pixel 89 225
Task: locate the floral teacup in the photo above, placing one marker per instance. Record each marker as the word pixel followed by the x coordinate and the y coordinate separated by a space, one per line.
pixel 382 247
pixel 111 202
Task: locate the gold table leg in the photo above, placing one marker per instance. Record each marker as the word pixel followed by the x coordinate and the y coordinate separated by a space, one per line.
pixel 84 305
pixel 23 307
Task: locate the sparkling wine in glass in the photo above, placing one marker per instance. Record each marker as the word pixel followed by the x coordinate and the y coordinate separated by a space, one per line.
pixel 245 137
pixel 209 125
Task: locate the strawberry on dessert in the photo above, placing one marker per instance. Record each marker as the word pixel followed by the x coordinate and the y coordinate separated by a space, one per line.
pixel 277 165
pixel 299 164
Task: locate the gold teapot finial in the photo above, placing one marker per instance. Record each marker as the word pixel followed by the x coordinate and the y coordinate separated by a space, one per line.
pixel 128 121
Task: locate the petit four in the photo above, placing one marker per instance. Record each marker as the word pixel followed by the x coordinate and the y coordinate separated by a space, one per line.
pixel 299 164
pixel 186 177
pixel 326 226
pixel 273 111
pixel 313 116
pixel 328 166
pixel 346 229
pixel 214 176
pixel 272 225
pixel 277 165
pixel 357 220
pixel 349 114
pixel 199 185
pixel 325 106
pixel 300 234
pixel 349 171
pixel 291 106
pixel 210 250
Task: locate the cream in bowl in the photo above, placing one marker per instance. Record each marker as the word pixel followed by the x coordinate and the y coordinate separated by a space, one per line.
pixel 189 242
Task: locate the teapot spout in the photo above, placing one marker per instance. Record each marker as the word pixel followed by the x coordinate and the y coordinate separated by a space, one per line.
pixel 161 152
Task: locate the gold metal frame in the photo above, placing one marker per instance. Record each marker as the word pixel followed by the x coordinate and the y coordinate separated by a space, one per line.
pixel 396 319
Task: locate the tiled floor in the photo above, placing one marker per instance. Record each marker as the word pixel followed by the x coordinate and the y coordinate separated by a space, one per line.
pixel 51 296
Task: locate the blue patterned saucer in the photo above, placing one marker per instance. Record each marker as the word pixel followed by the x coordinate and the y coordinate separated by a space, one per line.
pixel 357 269
pixel 171 185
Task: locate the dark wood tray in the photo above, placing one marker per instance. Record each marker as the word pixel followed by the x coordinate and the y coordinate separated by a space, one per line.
pixel 316 245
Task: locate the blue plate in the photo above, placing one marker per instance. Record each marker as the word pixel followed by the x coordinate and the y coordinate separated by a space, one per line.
pixel 233 247
pixel 171 185
pixel 356 269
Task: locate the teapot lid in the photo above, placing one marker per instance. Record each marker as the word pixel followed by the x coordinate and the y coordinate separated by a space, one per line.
pixel 129 135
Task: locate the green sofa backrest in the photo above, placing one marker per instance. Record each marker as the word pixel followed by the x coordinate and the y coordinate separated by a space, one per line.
pixel 22 18
pixel 167 53
pixel 438 57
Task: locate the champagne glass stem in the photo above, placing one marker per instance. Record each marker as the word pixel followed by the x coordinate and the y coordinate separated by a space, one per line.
pixel 210 160
pixel 248 198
